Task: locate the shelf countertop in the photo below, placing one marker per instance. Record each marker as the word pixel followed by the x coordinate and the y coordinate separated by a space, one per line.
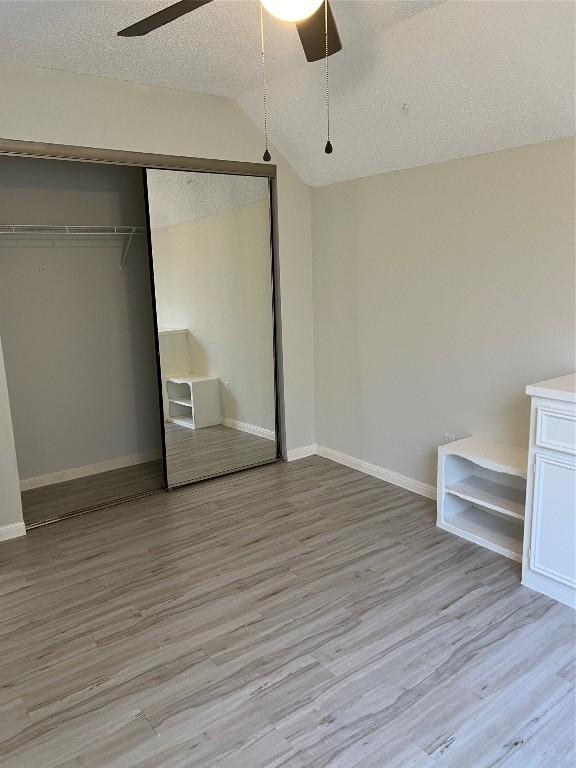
pixel 561 388
pixel 498 457
pixel 188 378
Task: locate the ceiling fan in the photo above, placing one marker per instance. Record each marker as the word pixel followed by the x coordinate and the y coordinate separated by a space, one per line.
pixel 307 14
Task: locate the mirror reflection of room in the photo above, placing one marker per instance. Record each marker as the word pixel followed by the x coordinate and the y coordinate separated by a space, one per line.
pixel 213 286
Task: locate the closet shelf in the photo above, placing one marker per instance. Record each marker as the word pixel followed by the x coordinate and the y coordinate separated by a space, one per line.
pixel 69 230
pixel 65 229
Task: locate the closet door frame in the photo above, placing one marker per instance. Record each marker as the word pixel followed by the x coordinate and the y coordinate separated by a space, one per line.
pixel 46 151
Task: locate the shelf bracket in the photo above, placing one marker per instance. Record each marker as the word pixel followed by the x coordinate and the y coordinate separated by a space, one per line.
pixel 126 249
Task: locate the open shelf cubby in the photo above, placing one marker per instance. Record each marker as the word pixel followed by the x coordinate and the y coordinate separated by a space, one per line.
pixel 193 400
pixel 482 494
pixel 181 413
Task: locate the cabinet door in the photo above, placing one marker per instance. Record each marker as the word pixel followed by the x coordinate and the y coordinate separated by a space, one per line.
pixel 553 539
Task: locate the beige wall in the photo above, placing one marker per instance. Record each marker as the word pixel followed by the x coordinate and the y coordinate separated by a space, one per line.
pixel 60 107
pixel 213 277
pixel 439 293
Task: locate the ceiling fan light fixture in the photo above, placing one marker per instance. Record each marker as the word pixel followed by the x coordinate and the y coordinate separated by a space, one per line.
pixel 291 10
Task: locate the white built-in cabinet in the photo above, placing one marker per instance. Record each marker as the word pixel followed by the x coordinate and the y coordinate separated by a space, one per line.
pixel 521 504
pixel 193 400
pixel 482 493
pixel 549 561
pixel 190 399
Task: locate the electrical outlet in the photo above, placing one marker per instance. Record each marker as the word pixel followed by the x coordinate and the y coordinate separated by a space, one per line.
pixel 449 438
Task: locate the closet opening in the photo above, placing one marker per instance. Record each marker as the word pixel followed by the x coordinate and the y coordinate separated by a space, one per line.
pixel 78 333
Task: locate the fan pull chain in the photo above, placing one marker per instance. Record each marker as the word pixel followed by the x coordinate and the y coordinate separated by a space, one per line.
pixel 328 147
pixel 266 156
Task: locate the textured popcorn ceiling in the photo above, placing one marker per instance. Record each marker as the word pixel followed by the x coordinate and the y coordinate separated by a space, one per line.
pixel 215 49
pixel 416 82
pixel 177 196
pixel 461 79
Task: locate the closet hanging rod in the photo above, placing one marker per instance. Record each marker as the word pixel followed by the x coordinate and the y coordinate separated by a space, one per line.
pixel 56 230
pixel 65 229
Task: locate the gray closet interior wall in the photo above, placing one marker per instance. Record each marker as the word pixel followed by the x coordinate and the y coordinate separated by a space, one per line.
pixel 77 334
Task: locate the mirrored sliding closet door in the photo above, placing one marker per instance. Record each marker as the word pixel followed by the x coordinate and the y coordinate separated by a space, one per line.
pixel 212 263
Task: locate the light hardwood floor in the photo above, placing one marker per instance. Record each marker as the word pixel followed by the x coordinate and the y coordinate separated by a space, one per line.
pixel 191 456
pixel 195 454
pixel 298 615
pixel 52 502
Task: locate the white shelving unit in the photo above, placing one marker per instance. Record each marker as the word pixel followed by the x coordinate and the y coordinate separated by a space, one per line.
pixel 193 400
pixel 482 493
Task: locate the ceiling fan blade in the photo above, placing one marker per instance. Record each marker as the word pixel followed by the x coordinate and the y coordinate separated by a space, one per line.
pixel 312 35
pixel 166 15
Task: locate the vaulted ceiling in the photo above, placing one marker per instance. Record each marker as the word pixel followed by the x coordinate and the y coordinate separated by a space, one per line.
pixel 417 81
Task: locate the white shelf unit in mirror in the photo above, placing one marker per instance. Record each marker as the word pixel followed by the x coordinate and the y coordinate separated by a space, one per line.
pixel 482 493
pixel 193 400
pixel 173 347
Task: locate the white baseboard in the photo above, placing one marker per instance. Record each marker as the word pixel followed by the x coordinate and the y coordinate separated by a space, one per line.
pixel 388 475
pixel 12 531
pixel 303 452
pixel 253 430
pixel 89 469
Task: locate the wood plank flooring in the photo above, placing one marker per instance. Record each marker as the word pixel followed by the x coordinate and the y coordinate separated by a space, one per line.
pixel 195 454
pixel 297 615
pixel 191 455
pixel 41 505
